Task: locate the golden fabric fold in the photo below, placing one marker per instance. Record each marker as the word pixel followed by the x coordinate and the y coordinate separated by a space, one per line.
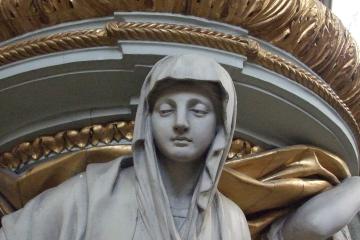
pixel 267 185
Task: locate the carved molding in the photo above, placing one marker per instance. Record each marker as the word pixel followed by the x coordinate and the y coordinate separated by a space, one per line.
pixel 114 31
pixel 88 137
pixel 65 141
pixel 306 28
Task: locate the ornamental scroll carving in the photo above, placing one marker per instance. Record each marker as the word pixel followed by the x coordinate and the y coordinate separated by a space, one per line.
pixel 306 28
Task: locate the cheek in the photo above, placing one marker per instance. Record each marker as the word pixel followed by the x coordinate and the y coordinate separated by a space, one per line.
pixel 160 127
pixel 155 124
pixel 205 130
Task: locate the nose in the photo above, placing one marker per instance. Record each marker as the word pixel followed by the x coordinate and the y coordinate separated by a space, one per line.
pixel 181 123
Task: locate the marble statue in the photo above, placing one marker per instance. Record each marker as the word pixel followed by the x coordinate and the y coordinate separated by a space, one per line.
pixel 168 189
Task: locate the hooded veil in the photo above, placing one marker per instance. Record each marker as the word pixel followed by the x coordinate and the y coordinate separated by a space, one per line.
pixel 211 215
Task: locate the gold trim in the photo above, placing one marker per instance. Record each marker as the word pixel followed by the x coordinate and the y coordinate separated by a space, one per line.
pixel 306 28
pixel 115 31
pixel 53 43
pixel 88 137
pixel 63 141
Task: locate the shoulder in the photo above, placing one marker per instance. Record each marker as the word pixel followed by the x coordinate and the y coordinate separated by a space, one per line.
pixel 113 167
pixel 122 162
pixel 230 207
pixel 235 218
pixel 112 198
pixel 106 177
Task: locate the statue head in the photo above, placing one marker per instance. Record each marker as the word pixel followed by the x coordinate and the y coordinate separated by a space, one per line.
pixel 184 118
pixel 187 112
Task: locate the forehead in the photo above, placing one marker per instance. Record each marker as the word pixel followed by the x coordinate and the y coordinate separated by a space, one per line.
pixel 183 93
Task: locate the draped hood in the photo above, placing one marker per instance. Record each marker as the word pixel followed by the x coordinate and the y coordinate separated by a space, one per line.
pixel 153 201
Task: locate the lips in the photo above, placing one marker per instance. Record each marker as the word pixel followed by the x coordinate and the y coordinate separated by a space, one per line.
pixel 181 141
pixel 181 138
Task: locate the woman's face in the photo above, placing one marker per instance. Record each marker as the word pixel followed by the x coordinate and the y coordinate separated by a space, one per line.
pixel 183 123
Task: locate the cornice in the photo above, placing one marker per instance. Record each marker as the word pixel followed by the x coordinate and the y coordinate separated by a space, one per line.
pixel 115 31
pixel 306 29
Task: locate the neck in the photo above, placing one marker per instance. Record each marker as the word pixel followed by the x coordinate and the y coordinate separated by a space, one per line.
pixel 179 180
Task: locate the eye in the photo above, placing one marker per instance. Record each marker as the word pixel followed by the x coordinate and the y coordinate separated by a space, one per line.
pixel 165 109
pixel 165 112
pixel 199 110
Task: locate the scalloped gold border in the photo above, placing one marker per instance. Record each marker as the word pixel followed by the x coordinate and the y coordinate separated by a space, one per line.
pixel 69 140
pixel 87 137
pixel 115 31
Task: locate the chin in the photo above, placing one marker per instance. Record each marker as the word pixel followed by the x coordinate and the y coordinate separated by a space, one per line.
pixel 183 157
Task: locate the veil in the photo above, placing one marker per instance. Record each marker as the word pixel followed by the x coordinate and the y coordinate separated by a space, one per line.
pixel 206 213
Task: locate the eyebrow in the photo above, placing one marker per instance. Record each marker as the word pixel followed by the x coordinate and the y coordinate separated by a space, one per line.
pixel 194 101
pixel 191 102
pixel 165 100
